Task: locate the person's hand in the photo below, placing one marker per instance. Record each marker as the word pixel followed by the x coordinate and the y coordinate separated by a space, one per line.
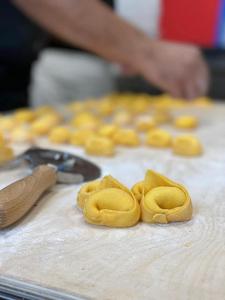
pixel 178 69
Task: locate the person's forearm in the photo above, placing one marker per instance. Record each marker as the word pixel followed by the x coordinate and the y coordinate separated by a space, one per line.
pixel 89 24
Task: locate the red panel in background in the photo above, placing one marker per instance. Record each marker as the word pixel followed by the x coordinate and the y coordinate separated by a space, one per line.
pixel 193 21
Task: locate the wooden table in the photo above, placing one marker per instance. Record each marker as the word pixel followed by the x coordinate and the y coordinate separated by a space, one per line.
pixel 52 252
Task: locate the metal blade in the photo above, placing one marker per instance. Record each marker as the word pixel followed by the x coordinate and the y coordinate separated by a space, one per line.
pixel 71 168
pixel 69 178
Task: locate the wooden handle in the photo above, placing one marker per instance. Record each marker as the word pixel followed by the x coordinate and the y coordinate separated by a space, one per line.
pixel 19 197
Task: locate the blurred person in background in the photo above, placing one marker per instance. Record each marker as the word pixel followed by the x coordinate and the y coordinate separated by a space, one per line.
pixel 93 26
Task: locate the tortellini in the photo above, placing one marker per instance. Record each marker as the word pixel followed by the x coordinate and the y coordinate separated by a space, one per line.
pixel 21 134
pixel 164 201
pixel 80 136
pixel 59 135
pixel 24 115
pixel 122 118
pixel 162 116
pixel 85 120
pixel 111 205
pixel 108 130
pixel 186 122
pixel 101 146
pixel 145 124
pixel 126 137
pixel 187 145
pixel 42 125
pixel 159 138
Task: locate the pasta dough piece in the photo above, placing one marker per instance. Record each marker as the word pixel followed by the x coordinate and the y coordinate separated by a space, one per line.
pixel 187 145
pixel 86 190
pixel 43 125
pixel 159 138
pixel 186 122
pixel 108 130
pixel 145 124
pixel 139 105
pixel 59 135
pixel 203 102
pixel 85 120
pixel 80 136
pixel 112 205
pixel 138 190
pixel 102 146
pixel 105 108
pixel 122 118
pixel 162 116
pixel 6 153
pixel 164 201
pixel 21 134
pixel 24 115
pixel 126 137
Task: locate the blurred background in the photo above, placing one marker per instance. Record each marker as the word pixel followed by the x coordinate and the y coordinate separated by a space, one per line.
pixel 37 68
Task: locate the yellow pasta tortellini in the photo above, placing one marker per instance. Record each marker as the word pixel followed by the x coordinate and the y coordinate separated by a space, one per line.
pixel 105 108
pixel 186 122
pixel 162 116
pixel 86 190
pixel 101 146
pixel 187 145
pixel 145 124
pixel 42 125
pixel 126 137
pixel 164 201
pixel 6 153
pixel 112 205
pixel 59 135
pixel 159 138
pixel 122 118
pixel 139 105
pixel 203 102
pixel 21 134
pixel 80 136
pixel 108 130
pixel 85 120
pixel 24 115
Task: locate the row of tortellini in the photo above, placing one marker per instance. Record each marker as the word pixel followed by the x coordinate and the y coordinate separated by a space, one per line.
pixel 135 103
pixel 103 142
pixel 156 199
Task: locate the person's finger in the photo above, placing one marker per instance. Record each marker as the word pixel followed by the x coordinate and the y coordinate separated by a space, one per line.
pixel 190 90
pixel 203 79
pixel 172 85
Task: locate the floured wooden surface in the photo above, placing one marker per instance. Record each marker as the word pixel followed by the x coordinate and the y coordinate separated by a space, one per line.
pixel 54 247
